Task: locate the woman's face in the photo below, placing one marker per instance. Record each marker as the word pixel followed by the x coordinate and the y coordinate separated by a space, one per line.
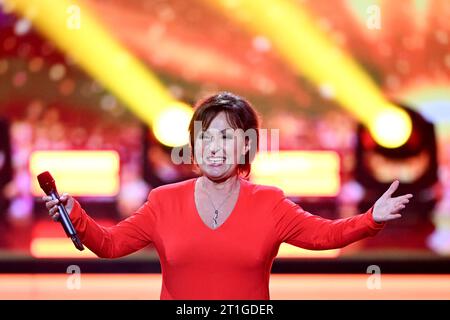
pixel 219 148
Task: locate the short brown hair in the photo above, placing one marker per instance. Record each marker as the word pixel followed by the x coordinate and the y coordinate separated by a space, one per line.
pixel 240 114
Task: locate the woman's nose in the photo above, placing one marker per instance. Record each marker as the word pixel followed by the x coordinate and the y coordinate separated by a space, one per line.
pixel 215 145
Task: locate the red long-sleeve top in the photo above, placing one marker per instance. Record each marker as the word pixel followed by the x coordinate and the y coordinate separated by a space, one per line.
pixel 234 260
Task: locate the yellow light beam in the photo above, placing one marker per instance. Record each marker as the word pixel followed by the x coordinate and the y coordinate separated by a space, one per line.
pixel 308 50
pixel 74 29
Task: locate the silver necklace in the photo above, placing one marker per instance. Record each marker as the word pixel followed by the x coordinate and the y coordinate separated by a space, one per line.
pixel 216 209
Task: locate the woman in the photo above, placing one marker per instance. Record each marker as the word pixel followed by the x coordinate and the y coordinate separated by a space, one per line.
pixel 217 235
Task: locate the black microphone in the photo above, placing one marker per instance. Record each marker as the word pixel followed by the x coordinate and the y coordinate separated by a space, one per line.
pixel 47 184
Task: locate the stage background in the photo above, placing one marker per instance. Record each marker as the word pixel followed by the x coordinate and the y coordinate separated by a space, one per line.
pixel 63 91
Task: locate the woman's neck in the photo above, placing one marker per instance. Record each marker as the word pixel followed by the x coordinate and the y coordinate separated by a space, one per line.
pixel 223 186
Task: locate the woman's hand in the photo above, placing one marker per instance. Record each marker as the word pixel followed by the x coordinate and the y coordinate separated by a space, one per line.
pixel 386 208
pixel 51 205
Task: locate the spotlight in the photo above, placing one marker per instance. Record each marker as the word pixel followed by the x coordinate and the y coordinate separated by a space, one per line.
pixel 414 164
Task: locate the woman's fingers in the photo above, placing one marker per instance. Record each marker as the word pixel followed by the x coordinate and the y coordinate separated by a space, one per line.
pixel 52 207
pixel 394 185
pixel 64 198
pixel 399 207
pixel 51 203
pixel 402 200
pixel 53 213
pixel 404 197
pixel 53 210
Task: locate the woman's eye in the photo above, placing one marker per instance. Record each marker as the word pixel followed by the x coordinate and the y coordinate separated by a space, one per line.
pixel 204 137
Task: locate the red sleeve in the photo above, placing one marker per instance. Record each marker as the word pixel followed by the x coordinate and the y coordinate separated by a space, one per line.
pixel 126 237
pixel 303 229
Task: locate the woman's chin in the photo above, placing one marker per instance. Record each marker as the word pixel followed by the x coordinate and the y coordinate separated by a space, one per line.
pixel 217 171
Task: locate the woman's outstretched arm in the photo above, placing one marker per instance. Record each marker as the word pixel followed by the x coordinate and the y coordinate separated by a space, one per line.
pixel 124 238
pixel 303 229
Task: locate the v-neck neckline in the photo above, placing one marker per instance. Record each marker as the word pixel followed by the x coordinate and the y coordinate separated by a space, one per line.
pixel 230 216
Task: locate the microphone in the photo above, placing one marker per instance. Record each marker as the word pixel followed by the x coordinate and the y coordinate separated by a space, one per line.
pixel 47 184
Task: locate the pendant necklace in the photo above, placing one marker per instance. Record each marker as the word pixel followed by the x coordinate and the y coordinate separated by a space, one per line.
pixel 216 209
